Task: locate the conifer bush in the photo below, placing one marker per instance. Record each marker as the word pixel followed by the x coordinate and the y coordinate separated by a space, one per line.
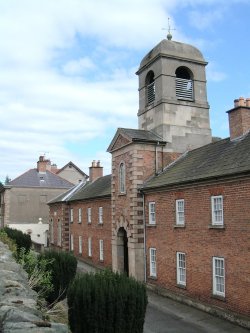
pixel 106 302
pixel 63 271
pixel 22 240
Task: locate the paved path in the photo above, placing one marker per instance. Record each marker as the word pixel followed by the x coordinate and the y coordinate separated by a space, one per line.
pixel 168 316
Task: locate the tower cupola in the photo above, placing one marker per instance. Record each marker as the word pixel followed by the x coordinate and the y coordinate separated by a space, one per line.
pixel 172 95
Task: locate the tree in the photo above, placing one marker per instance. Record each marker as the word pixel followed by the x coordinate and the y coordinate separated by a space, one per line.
pixel 7 180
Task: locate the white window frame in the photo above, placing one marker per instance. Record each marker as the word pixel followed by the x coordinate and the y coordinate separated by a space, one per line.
pixel 217 210
pixel 89 215
pixel 80 244
pixel 100 215
pixel 101 250
pixel 59 233
pixel 79 215
pixel 152 262
pixel 90 247
pixel 151 213
pixel 180 211
pixel 181 268
pixel 71 242
pixel 122 183
pixel 219 276
pixel 71 211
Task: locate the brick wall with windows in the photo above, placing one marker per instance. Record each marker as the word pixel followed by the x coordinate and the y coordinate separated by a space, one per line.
pixel 95 230
pixel 217 261
pixel 58 220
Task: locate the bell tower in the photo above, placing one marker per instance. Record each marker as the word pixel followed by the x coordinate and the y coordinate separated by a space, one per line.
pixel 172 96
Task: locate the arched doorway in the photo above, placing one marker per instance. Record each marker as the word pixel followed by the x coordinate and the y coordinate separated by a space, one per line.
pixel 122 251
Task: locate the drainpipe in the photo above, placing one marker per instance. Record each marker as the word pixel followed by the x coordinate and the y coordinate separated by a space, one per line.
pixel 162 158
pixel 156 158
pixel 69 246
pixel 145 250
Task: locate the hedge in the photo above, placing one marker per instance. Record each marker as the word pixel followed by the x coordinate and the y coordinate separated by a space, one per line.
pixel 106 302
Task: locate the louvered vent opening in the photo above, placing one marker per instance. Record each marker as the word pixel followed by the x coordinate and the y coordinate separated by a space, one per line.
pixel 184 89
pixel 151 92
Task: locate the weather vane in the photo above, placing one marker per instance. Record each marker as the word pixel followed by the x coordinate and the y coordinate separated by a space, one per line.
pixel 169 35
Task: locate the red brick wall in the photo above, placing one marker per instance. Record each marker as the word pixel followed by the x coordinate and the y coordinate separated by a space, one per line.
pixel 59 212
pixel 94 230
pixel 139 165
pixel 239 121
pixel 200 242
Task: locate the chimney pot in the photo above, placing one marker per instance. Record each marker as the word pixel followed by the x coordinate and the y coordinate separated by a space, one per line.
pixel 242 101
pixel 236 103
pixel 248 102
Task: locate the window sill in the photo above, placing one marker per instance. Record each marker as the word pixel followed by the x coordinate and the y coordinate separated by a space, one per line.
pixel 89 223
pixel 79 222
pixel 152 277
pixel 216 226
pixel 151 225
pixel 182 286
pixel 100 223
pixel 219 297
pixel 122 194
pixel 176 226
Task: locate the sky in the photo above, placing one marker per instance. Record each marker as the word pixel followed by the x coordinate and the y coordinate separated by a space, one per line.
pixel 67 71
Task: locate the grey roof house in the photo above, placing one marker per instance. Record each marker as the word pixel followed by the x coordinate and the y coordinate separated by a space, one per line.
pixel 24 199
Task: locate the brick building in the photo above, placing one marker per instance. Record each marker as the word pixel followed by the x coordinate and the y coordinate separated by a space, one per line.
pixel 178 200
pixel 80 219
pixel 197 216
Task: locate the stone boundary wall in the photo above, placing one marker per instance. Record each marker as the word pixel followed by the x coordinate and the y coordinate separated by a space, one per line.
pixel 18 302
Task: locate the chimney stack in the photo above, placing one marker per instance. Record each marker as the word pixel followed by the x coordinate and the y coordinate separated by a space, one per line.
pixel 239 118
pixel 95 171
pixel 43 164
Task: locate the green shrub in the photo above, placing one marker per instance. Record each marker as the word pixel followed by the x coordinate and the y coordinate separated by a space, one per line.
pixel 106 302
pixel 63 270
pixel 8 241
pixel 39 272
pixel 22 240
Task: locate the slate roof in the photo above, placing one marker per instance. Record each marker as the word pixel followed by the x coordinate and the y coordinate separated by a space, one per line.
pixel 215 160
pixel 136 135
pixel 65 196
pixel 33 178
pixel 101 187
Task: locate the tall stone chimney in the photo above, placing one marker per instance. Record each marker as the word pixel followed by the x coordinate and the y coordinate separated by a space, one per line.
pixel 239 118
pixel 43 164
pixel 95 171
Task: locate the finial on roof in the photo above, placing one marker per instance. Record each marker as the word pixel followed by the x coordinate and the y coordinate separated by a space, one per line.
pixel 169 35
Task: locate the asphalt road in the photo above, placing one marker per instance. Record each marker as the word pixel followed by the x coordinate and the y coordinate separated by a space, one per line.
pixel 167 316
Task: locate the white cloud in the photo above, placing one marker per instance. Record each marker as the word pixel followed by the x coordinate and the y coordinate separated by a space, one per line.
pixel 214 74
pixel 67 72
pixel 78 66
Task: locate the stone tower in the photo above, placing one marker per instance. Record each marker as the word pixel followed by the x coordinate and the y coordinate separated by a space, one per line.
pixel 173 117
pixel 172 96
